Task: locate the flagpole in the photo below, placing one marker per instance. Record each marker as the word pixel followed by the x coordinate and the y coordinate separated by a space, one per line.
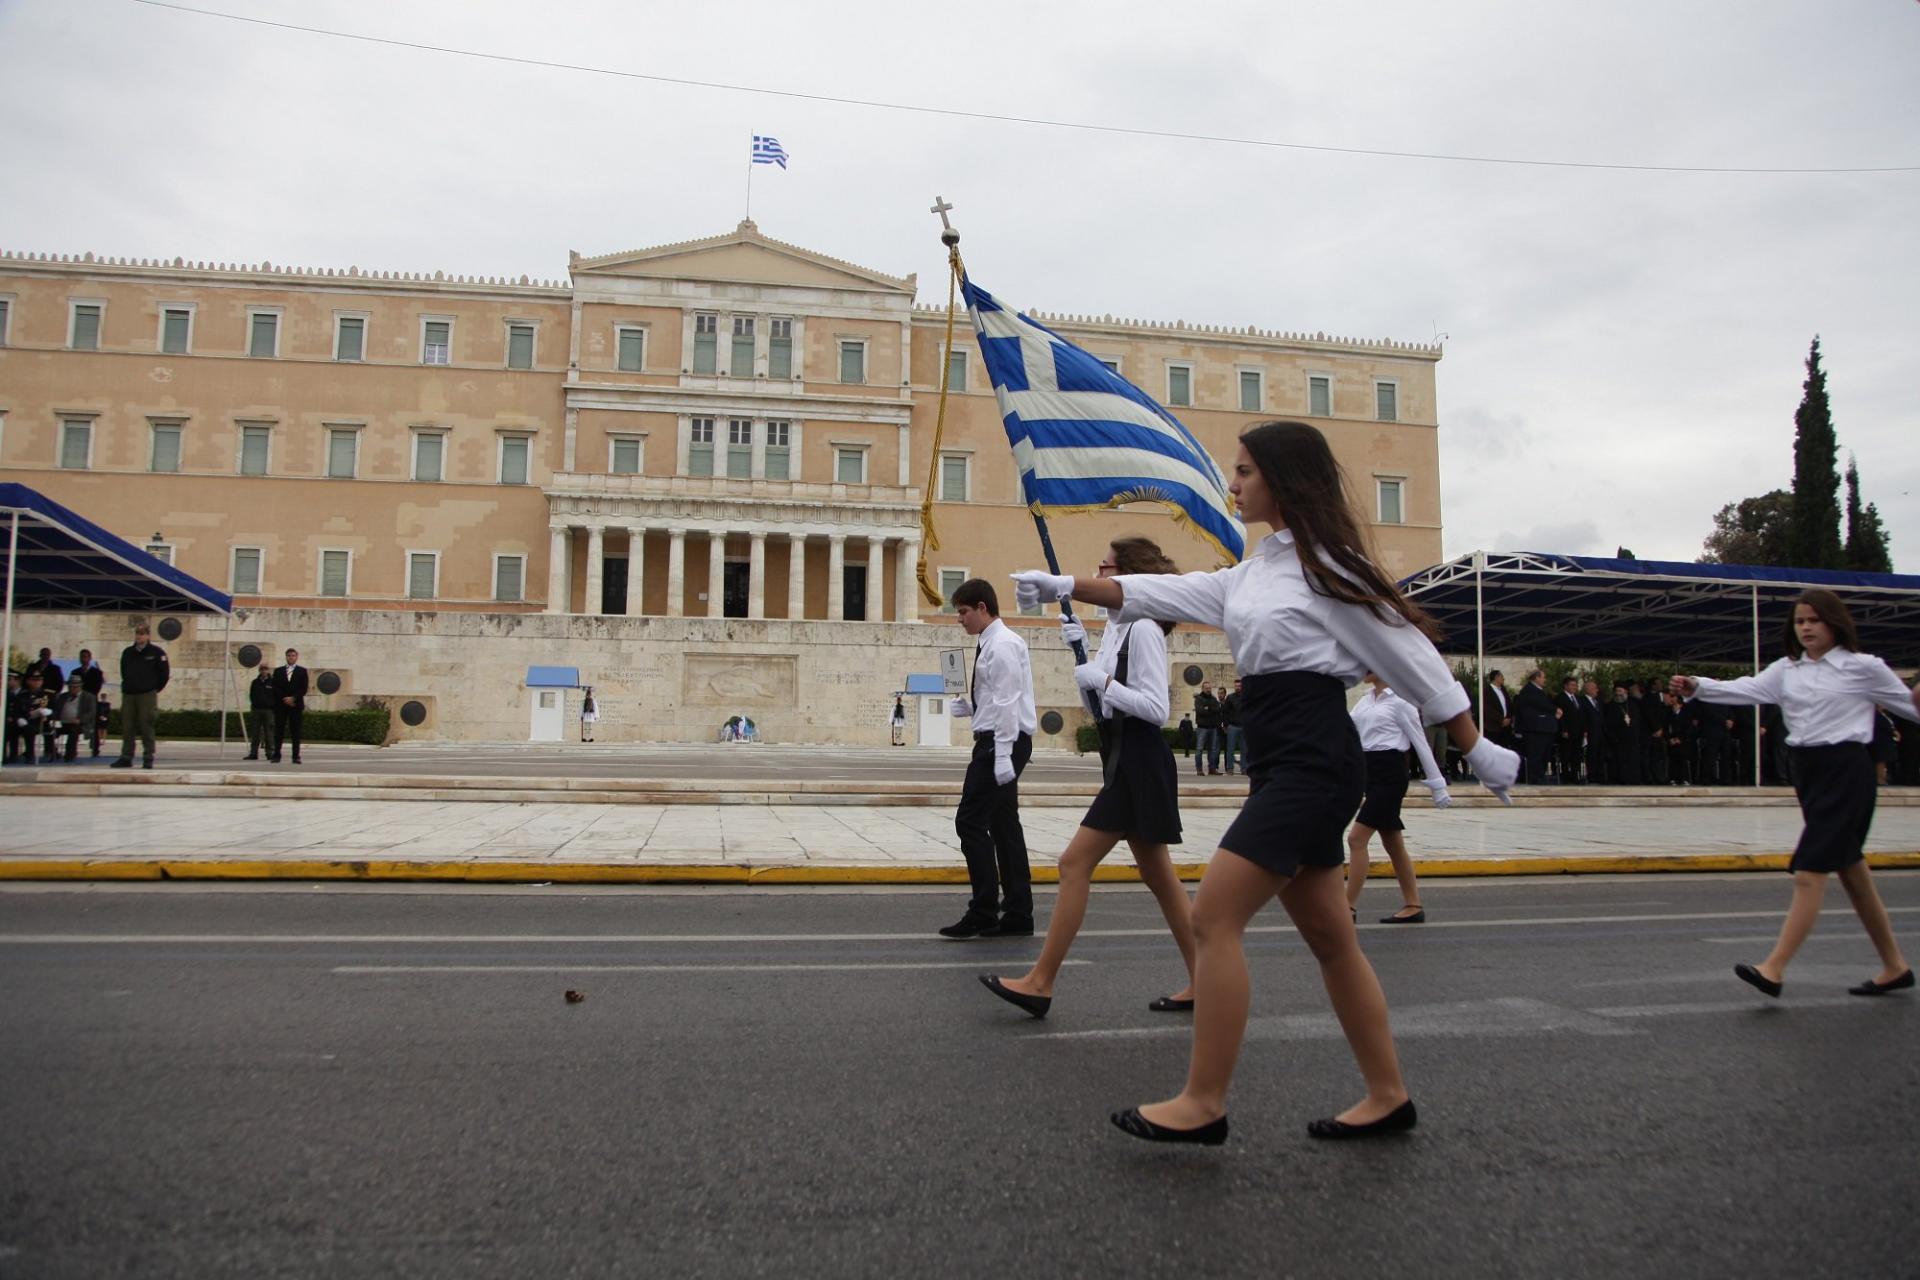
pixel 748 215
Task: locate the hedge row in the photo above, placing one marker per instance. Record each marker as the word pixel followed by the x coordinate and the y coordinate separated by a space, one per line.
pixel 1086 739
pixel 367 725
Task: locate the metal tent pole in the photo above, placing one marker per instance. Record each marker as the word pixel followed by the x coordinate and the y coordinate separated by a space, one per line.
pixel 13 564
pixel 1754 592
pixel 1480 636
pixel 226 680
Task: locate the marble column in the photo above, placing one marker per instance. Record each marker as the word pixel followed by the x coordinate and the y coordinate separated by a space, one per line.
pixel 716 574
pixel 676 573
pixel 596 568
pixel 836 577
pixel 636 566
pixel 558 549
pixel 907 598
pixel 876 578
pixel 757 576
pixel 796 576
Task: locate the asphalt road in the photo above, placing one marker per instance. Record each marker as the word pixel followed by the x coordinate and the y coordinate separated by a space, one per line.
pixel 373 1081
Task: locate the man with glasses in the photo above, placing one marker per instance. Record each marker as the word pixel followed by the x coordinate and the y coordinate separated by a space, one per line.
pixel 290 697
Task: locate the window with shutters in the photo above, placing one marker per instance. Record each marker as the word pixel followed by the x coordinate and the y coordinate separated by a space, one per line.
pixel 700 447
pixel 165 454
pixel 263 333
pixel 519 346
pixel 1386 401
pixel 6 316
pixel 956 371
pixel 1392 494
pixel 706 342
pixel 850 466
pixel 423 574
pixel 953 477
pixel 1180 385
pixel 779 465
pixel 742 363
pixel 83 325
pixel 336 573
pixel 509 578
pixel 255 443
pixel 624 459
pixel 950 580
pixel 76 444
pixel 429 455
pixel 853 360
pixel 1320 397
pixel 436 341
pixel 516 455
pixel 349 337
pixel 176 330
pixel 780 347
pixel 739 448
pixel 245 577
pixel 631 342
pixel 1252 390
pixel 343 452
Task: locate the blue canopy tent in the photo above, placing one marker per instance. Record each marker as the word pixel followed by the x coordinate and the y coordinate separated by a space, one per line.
pixel 58 561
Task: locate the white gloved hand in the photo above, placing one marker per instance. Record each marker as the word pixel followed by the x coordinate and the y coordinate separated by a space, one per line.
pixel 1090 677
pixel 1442 798
pixel 1003 769
pixel 1071 632
pixel 1032 586
pixel 960 709
pixel 1495 766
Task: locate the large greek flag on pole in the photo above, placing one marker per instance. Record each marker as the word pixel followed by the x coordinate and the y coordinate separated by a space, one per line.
pixel 1086 439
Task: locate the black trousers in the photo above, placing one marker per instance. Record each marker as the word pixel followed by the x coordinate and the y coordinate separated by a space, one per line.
pixel 1536 747
pixel 286 728
pixel 1571 752
pixel 262 732
pixel 995 845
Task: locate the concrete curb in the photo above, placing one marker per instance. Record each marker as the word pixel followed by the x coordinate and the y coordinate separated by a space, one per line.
pixel 505 872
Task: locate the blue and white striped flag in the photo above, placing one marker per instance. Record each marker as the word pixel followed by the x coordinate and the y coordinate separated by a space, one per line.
pixel 1086 439
pixel 769 151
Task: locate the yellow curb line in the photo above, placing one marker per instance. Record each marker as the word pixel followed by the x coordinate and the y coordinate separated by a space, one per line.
pixel 501 872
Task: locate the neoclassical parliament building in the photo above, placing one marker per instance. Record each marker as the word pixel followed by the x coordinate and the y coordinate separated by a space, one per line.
pixel 693 473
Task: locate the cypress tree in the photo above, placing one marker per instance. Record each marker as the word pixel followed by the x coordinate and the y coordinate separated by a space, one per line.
pixel 1867 549
pixel 1815 535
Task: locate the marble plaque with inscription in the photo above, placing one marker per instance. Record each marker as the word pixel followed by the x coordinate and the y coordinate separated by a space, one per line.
pixel 756 680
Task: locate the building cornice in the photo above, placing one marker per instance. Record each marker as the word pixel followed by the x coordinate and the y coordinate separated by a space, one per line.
pixel 931 316
pixel 265 273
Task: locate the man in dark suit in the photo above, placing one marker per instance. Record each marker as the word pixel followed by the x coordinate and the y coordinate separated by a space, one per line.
pixel 1573 729
pixel 1654 717
pixel 1499 725
pixel 264 704
pixel 1593 714
pixel 290 703
pixel 1534 715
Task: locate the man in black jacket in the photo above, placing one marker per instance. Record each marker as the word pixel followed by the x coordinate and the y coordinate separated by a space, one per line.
pixel 1594 718
pixel 1534 716
pixel 1654 717
pixel 1623 737
pixel 1499 725
pixel 261 703
pixel 1206 717
pixel 143 674
pixel 1573 729
pixel 290 703
pixel 1230 728
pixel 94 681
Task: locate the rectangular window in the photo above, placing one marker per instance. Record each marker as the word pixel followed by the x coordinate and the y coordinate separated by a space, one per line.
pixel 779 446
pixel 953 477
pixel 706 339
pixel 263 334
pixel 423 572
pixel 700 447
pixel 853 362
pixel 343 454
pixel 161 551
pixel 436 342
pixel 956 371
pixel 176 328
pixel 86 327
pixel 1111 362
pixel 1320 397
pixel 633 349
pixel 780 348
pixel 626 456
pixel 850 466
pixel 429 455
pixel 742 366
pixel 246 571
pixel 509 578
pixel 515 455
pixel 739 448
pixel 254 442
pixel 6 312
pixel 1250 390
pixel 350 338
pixel 76 445
pixel 336 572
pixel 1391 511
pixel 950 580
pixel 519 346
pixel 1180 385
pixel 166 447
pixel 1386 401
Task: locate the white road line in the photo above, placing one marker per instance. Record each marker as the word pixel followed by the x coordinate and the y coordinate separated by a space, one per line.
pixel 1856 938
pixel 650 968
pixel 1718 1006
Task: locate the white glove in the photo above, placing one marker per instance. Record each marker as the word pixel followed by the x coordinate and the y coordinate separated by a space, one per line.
pixel 1071 632
pixel 1090 677
pixel 960 709
pixel 1031 586
pixel 1495 766
pixel 1442 799
pixel 1003 769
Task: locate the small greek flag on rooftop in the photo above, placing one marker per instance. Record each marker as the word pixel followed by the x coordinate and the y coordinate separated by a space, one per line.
pixel 1085 438
pixel 769 151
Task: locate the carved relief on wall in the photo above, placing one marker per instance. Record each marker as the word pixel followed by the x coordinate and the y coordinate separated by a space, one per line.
pixel 761 680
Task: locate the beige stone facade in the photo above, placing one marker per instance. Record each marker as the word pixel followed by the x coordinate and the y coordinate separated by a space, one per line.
pixel 726 432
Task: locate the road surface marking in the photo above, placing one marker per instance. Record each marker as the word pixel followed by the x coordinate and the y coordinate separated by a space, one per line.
pixel 650 968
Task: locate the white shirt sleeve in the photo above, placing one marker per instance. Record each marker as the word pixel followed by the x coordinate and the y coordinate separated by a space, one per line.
pixel 1175 597
pixel 1749 690
pixel 1007 671
pixel 1144 696
pixel 1871 678
pixel 1400 655
pixel 1417 735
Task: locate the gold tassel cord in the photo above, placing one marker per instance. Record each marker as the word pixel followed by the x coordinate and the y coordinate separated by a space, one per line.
pixel 930 539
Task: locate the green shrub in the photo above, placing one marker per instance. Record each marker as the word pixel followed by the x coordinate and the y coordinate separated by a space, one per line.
pixel 1086 738
pixel 367 725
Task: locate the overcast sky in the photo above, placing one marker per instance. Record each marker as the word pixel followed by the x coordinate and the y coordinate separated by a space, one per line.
pixel 1624 350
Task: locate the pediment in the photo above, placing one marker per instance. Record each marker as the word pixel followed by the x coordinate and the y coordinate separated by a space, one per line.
pixel 743 256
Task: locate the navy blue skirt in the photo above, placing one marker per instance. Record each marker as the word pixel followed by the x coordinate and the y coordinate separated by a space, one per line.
pixel 1835 786
pixel 1386 788
pixel 1305 772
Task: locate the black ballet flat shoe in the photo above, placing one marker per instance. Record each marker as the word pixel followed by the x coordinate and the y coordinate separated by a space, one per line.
pixel 1419 916
pixel 1035 1005
pixel 1757 980
pixel 1872 988
pixel 1398 1120
pixel 1169 1004
pixel 1132 1123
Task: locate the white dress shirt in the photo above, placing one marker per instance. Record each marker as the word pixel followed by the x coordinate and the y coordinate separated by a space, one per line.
pixel 1002 687
pixel 1388 722
pixel 1144 696
pixel 1825 700
pixel 1275 622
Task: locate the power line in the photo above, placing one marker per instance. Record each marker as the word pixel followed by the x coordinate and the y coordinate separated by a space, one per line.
pixel 958 113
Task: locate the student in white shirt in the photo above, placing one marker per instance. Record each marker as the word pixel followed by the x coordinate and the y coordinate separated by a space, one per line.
pixel 1000 702
pixel 1140 800
pixel 1388 725
pixel 1305 615
pixel 1826 690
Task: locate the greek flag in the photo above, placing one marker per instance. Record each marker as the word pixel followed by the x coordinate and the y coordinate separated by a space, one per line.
pixel 769 151
pixel 1086 439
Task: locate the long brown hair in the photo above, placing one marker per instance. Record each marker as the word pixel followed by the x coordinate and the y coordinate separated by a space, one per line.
pixel 1311 492
pixel 1832 611
pixel 1142 555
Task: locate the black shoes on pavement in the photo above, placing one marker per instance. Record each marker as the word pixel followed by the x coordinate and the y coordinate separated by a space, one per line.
pixel 122 763
pixel 1035 1005
pixel 1419 916
pixel 1398 1120
pixel 978 926
pixel 1133 1124
pixel 1757 980
pixel 1010 927
pixel 1872 988
pixel 967 926
pixel 1170 1004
